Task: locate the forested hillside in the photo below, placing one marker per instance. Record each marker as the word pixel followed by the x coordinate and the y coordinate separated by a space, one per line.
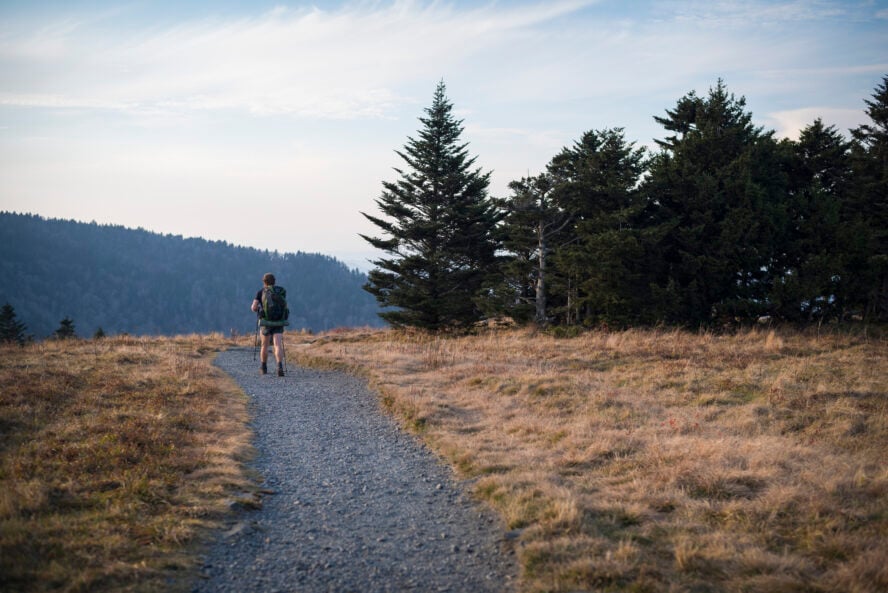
pixel 139 282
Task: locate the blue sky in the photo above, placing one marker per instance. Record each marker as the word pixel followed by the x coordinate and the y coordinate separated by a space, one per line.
pixel 273 124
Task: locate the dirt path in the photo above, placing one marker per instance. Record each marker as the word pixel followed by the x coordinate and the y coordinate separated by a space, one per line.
pixel 358 504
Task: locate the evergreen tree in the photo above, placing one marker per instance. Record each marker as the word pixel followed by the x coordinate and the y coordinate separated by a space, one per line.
pixel 716 203
pixel 99 334
pixel 66 329
pixel 596 182
pixel 11 329
pixel 810 260
pixel 438 229
pixel 531 220
pixel 865 217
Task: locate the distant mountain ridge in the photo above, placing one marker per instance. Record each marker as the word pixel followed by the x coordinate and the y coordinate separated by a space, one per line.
pixel 141 282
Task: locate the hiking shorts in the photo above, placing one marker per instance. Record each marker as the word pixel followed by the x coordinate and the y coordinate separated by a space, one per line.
pixel 270 331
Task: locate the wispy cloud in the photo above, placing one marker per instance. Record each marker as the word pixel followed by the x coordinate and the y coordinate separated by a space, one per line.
pixel 365 59
pixel 345 63
pixel 733 13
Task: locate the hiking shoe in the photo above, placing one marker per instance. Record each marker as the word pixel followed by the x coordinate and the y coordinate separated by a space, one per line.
pixel 263 369
pixel 280 371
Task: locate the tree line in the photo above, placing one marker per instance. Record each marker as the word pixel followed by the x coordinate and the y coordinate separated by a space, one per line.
pixel 721 223
pixel 110 279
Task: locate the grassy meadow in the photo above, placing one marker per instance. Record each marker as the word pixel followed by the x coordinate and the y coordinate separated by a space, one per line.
pixel 656 460
pixel 640 460
pixel 114 455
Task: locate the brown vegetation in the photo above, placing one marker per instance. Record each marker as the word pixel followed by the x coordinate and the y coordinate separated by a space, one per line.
pixel 625 461
pixel 114 453
pixel 657 460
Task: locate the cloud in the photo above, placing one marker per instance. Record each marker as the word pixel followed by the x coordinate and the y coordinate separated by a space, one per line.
pixel 733 13
pixel 368 59
pixel 788 124
pixel 345 63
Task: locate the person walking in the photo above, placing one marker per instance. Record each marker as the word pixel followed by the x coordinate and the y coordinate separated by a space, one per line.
pixel 270 305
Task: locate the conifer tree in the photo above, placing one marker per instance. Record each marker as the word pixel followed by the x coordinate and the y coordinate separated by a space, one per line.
pixel 865 217
pixel 809 285
pixel 11 329
pixel 717 195
pixel 437 229
pixel 596 182
pixel 66 329
pixel 531 222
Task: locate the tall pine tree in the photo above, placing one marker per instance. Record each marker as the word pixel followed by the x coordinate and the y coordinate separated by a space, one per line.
pixel 865 216
pixel 530 227
pixel 808 286
pixel 596 181
pixel 717 192
pixel 438 229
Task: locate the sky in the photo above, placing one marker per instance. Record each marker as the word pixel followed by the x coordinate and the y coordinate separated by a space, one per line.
pixel 274 124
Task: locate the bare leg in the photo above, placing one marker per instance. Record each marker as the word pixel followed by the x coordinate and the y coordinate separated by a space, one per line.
pixel 263 355
pixel 279 347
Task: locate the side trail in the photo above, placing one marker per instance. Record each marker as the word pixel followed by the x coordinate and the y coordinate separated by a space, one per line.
pixel 357 504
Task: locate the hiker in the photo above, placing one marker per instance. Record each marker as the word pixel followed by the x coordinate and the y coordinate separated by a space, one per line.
pixel 270 305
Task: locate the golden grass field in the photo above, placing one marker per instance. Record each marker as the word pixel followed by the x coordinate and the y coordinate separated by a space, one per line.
pixel 114 455
pixel 656 460
pixel 641 460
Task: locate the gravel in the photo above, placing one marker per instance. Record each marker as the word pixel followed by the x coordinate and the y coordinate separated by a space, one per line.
pixel 353 503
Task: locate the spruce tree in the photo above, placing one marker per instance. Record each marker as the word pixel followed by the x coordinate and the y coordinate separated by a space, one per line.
pixel 531 225
pixel 437 229
pixel 11 329
pixel 598 265
pixel 809 285
pixel 716 194
pixel 66 329
pixel 865 215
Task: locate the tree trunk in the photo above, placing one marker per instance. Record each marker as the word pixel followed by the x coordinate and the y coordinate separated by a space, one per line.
pixel 541 277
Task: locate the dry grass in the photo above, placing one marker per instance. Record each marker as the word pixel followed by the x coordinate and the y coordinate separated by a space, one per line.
pixel 114 454
pixel 657 461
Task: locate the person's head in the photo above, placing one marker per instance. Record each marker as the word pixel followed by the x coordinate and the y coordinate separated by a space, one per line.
pixel 268 279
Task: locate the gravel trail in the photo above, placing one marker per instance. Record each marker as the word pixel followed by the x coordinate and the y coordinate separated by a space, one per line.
pixel 357 504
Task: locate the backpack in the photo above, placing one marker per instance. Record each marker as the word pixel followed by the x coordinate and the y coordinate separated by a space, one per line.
pixel 274 306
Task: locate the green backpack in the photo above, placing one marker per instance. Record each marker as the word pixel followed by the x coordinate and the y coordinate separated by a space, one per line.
pixel 274 307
